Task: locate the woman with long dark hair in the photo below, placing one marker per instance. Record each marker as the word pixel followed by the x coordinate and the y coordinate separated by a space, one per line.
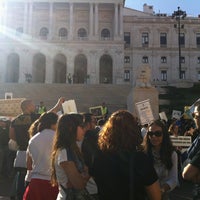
pixel 157 145
pixel 68 169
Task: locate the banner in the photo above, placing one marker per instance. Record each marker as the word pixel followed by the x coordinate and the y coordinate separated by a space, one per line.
pixel 145 112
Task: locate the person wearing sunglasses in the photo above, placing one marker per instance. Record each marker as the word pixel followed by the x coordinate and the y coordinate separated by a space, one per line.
pixel 157 145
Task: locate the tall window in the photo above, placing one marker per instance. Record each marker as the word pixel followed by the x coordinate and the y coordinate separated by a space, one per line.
pixel 105 34
pixel 126 75
pixel 145 59
pixel 198 60
pixel 198 76
pixel 145 39
pixel 163 75
pixel 182 39
pixel 163 39
pixel 127 39
pixel 44 33
pixel 182 74
pixel 19 31
pixel 163 59
pixel 126 59
pixel 198 40
pixel 63 33
pixel 182 59
pixel 82 33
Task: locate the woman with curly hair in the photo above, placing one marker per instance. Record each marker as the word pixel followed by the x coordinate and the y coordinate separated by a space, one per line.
pixel 157 145
pixel 120 171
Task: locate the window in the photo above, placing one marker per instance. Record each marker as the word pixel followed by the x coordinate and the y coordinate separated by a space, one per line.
pixel 126 75
pixel 63 33
pixel 44 33
pixel 198 40
pixel 105 34
pixel 82 34
pixel 198 75
pixel 163 59
pixel 145 39
pixel 126 59
pixel 163 75
pixel 182 74
pixel 163 39
pixel 198 60
pixel 127 39
pixel 182 59
pixel 19 31
pixel 145 59
pixel 182 39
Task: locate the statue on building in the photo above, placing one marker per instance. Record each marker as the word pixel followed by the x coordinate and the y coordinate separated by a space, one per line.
pixel 143 78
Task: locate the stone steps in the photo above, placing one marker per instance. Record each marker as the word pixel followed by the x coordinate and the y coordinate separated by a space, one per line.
pixel 85 96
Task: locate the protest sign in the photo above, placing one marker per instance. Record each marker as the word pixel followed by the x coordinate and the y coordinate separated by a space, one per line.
pixel 69 106
pixel 97 111
pixel 144 112
pixel 176 114
pixel 163 116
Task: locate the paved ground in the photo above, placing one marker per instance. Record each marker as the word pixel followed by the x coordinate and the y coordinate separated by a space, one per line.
pixel 184 192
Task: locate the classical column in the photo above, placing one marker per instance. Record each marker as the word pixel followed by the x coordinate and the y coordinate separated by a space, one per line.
pixel 25 17
pixel 71 21
pixel 5 17
pixel 121 23
pixel 30 18
pixel 96 19
pixel 50 20
pixel 91 19
pixel 116 19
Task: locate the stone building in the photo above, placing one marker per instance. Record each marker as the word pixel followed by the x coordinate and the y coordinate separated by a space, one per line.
pixel 95 42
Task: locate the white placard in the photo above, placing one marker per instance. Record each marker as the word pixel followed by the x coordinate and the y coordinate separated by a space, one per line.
pixel 8 95
pixel 145 112
pixel 69 106
pixel 176 114
pixel 163 116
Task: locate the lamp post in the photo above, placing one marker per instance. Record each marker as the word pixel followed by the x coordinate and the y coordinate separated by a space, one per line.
pixel 178 15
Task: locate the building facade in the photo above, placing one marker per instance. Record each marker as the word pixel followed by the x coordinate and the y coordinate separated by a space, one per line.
pixel 94 42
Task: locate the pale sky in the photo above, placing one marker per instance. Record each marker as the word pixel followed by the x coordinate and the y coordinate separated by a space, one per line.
pixel 192 7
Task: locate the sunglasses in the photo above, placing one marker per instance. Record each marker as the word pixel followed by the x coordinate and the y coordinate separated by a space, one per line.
pixel 156 133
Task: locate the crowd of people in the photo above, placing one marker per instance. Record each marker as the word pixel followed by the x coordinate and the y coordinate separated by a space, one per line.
pixel 75 156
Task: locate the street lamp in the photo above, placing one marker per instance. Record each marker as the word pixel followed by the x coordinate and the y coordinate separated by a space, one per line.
pixel 178 15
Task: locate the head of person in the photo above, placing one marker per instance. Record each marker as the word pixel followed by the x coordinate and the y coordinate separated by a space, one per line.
pixel 47 120
pixel 90 121
pixel 28 106
pixel 121 132
pixel 157 138
pixel 41 103
pixel 70 129
pixel 173 129
pixel 196 115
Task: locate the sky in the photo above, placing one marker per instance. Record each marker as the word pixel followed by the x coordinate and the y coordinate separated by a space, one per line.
pixel 192 7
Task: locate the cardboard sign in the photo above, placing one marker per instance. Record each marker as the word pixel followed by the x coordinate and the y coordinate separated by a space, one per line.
pixel 176 114
pixel 163 116
pixel 96 111
pixel 145 112
pixel 69 106
pixel 181 141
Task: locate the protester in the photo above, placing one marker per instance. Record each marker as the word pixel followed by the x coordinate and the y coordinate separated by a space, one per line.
pixel 68 169
pixel 119 170
pixel 42 108
pixel 157 145
pixel 104 111
pixel 193 153
pixel 191 171
pixel 38 160
pixel 89 147
pixel 19 133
